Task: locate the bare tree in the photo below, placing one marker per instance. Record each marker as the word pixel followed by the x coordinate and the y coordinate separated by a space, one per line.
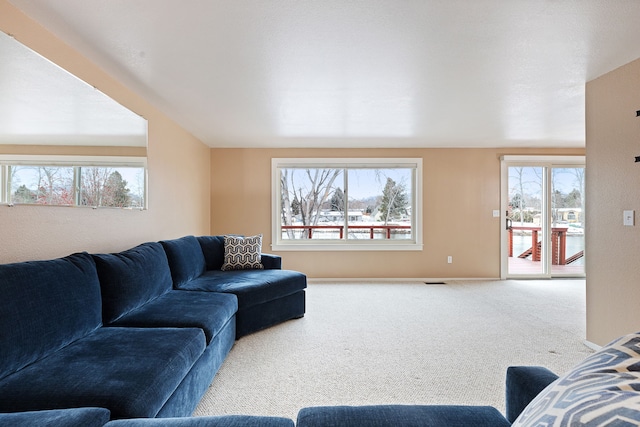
pixel 522 197
pixel 287 211
pixel 579 175
pixel 55 185
pixel 519 201
pixel 92 189
pixel 313 187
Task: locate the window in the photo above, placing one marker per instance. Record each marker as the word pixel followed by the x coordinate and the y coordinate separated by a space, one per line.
pixel 69 181
pixel 347 204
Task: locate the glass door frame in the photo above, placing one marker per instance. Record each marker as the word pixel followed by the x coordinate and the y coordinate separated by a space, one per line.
pixel 547 163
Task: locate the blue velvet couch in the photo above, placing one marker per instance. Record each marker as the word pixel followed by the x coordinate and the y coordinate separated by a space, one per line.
pixel 99 417
pixel 126 331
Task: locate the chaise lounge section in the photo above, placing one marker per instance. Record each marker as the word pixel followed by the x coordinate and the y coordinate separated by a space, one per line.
pixel 267 294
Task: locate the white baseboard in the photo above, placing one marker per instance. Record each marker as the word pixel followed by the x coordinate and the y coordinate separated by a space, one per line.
pixel 399 279
pixel 591 345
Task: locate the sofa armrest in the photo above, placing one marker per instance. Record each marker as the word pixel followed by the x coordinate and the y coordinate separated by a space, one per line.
pixel 524 383
pixel 271 262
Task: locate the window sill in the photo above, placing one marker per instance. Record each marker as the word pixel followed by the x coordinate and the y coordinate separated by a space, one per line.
pixel 347 247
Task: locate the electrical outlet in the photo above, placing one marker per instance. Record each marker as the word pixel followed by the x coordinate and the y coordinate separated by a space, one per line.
pixel 449 259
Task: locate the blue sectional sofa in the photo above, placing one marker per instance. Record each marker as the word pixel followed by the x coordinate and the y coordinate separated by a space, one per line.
pixel 133 339
pixel 126 332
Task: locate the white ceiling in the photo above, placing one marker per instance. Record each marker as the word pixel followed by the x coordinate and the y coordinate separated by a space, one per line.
pixel 361 73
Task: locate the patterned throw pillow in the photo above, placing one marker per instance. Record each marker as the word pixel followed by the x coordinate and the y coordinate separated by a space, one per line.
pixel 242 253
pixel 603 390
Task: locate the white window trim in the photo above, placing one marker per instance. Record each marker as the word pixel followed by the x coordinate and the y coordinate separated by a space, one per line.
pixel 55 160
pixel 70 161
pixel 369 245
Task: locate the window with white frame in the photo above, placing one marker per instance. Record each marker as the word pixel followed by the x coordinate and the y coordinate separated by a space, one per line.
pixel 100 182
pixel 347 204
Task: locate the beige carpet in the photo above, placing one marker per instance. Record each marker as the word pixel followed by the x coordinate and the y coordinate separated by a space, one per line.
pixel 405 343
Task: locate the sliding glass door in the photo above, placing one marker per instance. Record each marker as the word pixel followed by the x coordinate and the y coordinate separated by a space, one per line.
pixel 543 206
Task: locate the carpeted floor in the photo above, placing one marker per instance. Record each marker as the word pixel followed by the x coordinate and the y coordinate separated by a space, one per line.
pixel 402 342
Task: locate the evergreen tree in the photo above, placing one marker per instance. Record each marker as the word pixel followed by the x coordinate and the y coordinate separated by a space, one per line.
pixel 558 199
pixel 337 200
pixel 24 195
pixel 295 206
pixel 574 199
pixel 517 203
pixel 116 191
pixel 394 200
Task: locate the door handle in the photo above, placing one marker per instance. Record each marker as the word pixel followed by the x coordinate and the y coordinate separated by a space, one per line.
pixel 508 223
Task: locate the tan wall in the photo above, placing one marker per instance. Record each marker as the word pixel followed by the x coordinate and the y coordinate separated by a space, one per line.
pixel 461 189
pixel 178 175
pixel 613 185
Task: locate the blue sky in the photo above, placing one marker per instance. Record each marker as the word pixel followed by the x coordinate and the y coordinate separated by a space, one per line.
pixel 364 183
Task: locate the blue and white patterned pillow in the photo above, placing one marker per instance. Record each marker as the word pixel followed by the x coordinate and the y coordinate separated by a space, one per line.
pixel 603 390
pixel 242 253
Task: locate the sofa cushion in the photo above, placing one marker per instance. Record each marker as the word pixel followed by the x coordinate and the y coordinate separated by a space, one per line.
pixel 601 390
pixel 186 259
pixel 46 305
pixel 242 253
pixel 250 286
pixel 401 415
pixel 131 278
pixel 73 417
pixel 208 311
pixel 130 371
pixel 213 251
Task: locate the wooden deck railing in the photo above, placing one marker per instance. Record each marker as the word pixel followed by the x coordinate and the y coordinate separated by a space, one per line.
pixel 310 228
pixel 558 245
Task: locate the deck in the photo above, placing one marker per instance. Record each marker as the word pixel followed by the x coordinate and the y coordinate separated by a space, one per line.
pixel 528 262
pixel 528 267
